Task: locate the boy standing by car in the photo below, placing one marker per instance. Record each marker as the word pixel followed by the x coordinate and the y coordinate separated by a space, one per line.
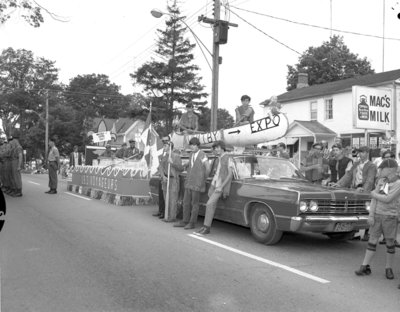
pixel 198 169
pixel 220 184
pixel 383 216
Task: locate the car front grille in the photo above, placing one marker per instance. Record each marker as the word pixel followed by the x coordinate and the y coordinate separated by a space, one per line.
pixel 341 206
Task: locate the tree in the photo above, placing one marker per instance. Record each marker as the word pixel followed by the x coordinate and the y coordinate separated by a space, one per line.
pixel 95 96
pixel 29 10
pixel 224 119
pixel 329 62
pixel 175 76
pixel 23 83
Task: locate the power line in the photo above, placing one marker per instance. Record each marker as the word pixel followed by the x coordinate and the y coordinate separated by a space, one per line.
pixel 315 26
pixel 269 36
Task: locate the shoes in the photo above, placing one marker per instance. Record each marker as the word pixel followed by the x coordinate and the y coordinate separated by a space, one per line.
pixel 389 273
pixel 363 270
pixel 383 241
pixel 169 220
pixel 48 192
pixel 204 230
pixel 157 214
pixel 180 224
pixel 189 226
pixel 19 194
pixel 396 243
pixel 51 192
pixel 161 216
pixel 365 238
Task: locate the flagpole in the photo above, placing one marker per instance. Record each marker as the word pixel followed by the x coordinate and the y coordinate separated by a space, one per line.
pixel 167 197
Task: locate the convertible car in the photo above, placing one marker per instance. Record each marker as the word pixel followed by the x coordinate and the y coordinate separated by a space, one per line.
pixel 270 196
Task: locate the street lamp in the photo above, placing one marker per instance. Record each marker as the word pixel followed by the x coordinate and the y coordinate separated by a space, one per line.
pixel 46 119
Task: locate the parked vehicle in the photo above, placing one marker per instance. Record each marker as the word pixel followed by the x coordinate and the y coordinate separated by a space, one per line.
pixel 270 196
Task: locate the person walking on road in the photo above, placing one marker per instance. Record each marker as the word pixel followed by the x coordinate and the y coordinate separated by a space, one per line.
pixel 383 216
pixel 198 169
pixel 53 161
pixel 220 184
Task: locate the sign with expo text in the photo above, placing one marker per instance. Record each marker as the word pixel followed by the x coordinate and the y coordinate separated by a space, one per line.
pixel 373 108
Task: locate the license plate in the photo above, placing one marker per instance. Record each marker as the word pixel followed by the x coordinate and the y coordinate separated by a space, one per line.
pixel 343 227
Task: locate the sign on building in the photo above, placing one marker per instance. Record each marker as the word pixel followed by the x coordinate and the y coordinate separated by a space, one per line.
pixel 373 108
pixel 101 136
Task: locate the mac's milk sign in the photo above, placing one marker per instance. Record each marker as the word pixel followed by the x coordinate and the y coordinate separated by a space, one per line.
pixel 373 108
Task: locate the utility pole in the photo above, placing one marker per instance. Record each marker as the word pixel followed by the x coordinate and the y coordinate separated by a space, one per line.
pixel 220 36
pixel 46 143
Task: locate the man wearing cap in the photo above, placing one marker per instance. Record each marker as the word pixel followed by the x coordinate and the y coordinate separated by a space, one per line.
pixel 53 166
pixel 362 174
pixel 189 121
pixel 16 166
pixel 132 152
pixel 161 201
pixel 244 112
pixel 75 158
pixel 383 216
pixel 313 167
pixel 198 170
pixel 173 161
pixel 220 184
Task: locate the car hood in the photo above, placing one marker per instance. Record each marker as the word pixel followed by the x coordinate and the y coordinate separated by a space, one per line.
pixel 310 191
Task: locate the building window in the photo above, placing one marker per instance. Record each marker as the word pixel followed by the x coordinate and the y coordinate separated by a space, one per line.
pixel 328 109
pixel 313 110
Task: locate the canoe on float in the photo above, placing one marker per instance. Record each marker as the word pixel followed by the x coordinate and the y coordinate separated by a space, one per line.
pixel 272 127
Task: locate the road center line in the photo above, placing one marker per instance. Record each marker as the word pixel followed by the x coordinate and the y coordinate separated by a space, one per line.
pixel 81 197
pixel 272 263
pixel 34 182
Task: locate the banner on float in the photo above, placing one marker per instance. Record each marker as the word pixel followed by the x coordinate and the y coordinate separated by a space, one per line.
pixel 373 108
pixel 121 181
pixel 101 136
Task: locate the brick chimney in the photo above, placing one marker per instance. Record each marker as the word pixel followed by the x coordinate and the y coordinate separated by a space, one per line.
pixel 302 80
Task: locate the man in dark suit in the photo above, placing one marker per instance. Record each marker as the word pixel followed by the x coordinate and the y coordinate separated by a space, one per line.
pixel 75 158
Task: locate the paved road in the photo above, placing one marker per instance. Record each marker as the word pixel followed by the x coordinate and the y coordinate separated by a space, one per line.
pixel 66 253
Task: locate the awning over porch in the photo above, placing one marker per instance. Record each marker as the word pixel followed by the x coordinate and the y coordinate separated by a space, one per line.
pixel 313 128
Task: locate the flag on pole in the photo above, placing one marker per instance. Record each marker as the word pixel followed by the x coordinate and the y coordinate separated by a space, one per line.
pixel 153 146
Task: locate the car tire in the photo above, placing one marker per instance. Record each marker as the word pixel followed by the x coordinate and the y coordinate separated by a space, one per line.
pixel 263 225
pixel 341 236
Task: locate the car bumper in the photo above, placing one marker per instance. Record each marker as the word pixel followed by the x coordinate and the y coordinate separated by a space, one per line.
pixel 327 223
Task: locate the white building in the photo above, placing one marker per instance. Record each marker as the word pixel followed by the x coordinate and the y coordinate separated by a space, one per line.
pixel 334 106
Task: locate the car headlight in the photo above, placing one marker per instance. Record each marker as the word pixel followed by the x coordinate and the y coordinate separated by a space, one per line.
pixel 367 205
pixel 303 206
pixel 313 206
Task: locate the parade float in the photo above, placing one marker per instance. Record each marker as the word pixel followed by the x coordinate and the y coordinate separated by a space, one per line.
pixel 126 182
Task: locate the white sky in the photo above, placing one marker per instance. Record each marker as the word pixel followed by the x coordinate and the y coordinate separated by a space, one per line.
pixel 115 38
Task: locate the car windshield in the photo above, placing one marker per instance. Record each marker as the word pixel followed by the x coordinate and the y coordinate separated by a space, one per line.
pixel 261 167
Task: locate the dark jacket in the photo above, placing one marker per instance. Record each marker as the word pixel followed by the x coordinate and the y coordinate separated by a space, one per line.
pixel 72 159
pixel 343 163
pixel 196 175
